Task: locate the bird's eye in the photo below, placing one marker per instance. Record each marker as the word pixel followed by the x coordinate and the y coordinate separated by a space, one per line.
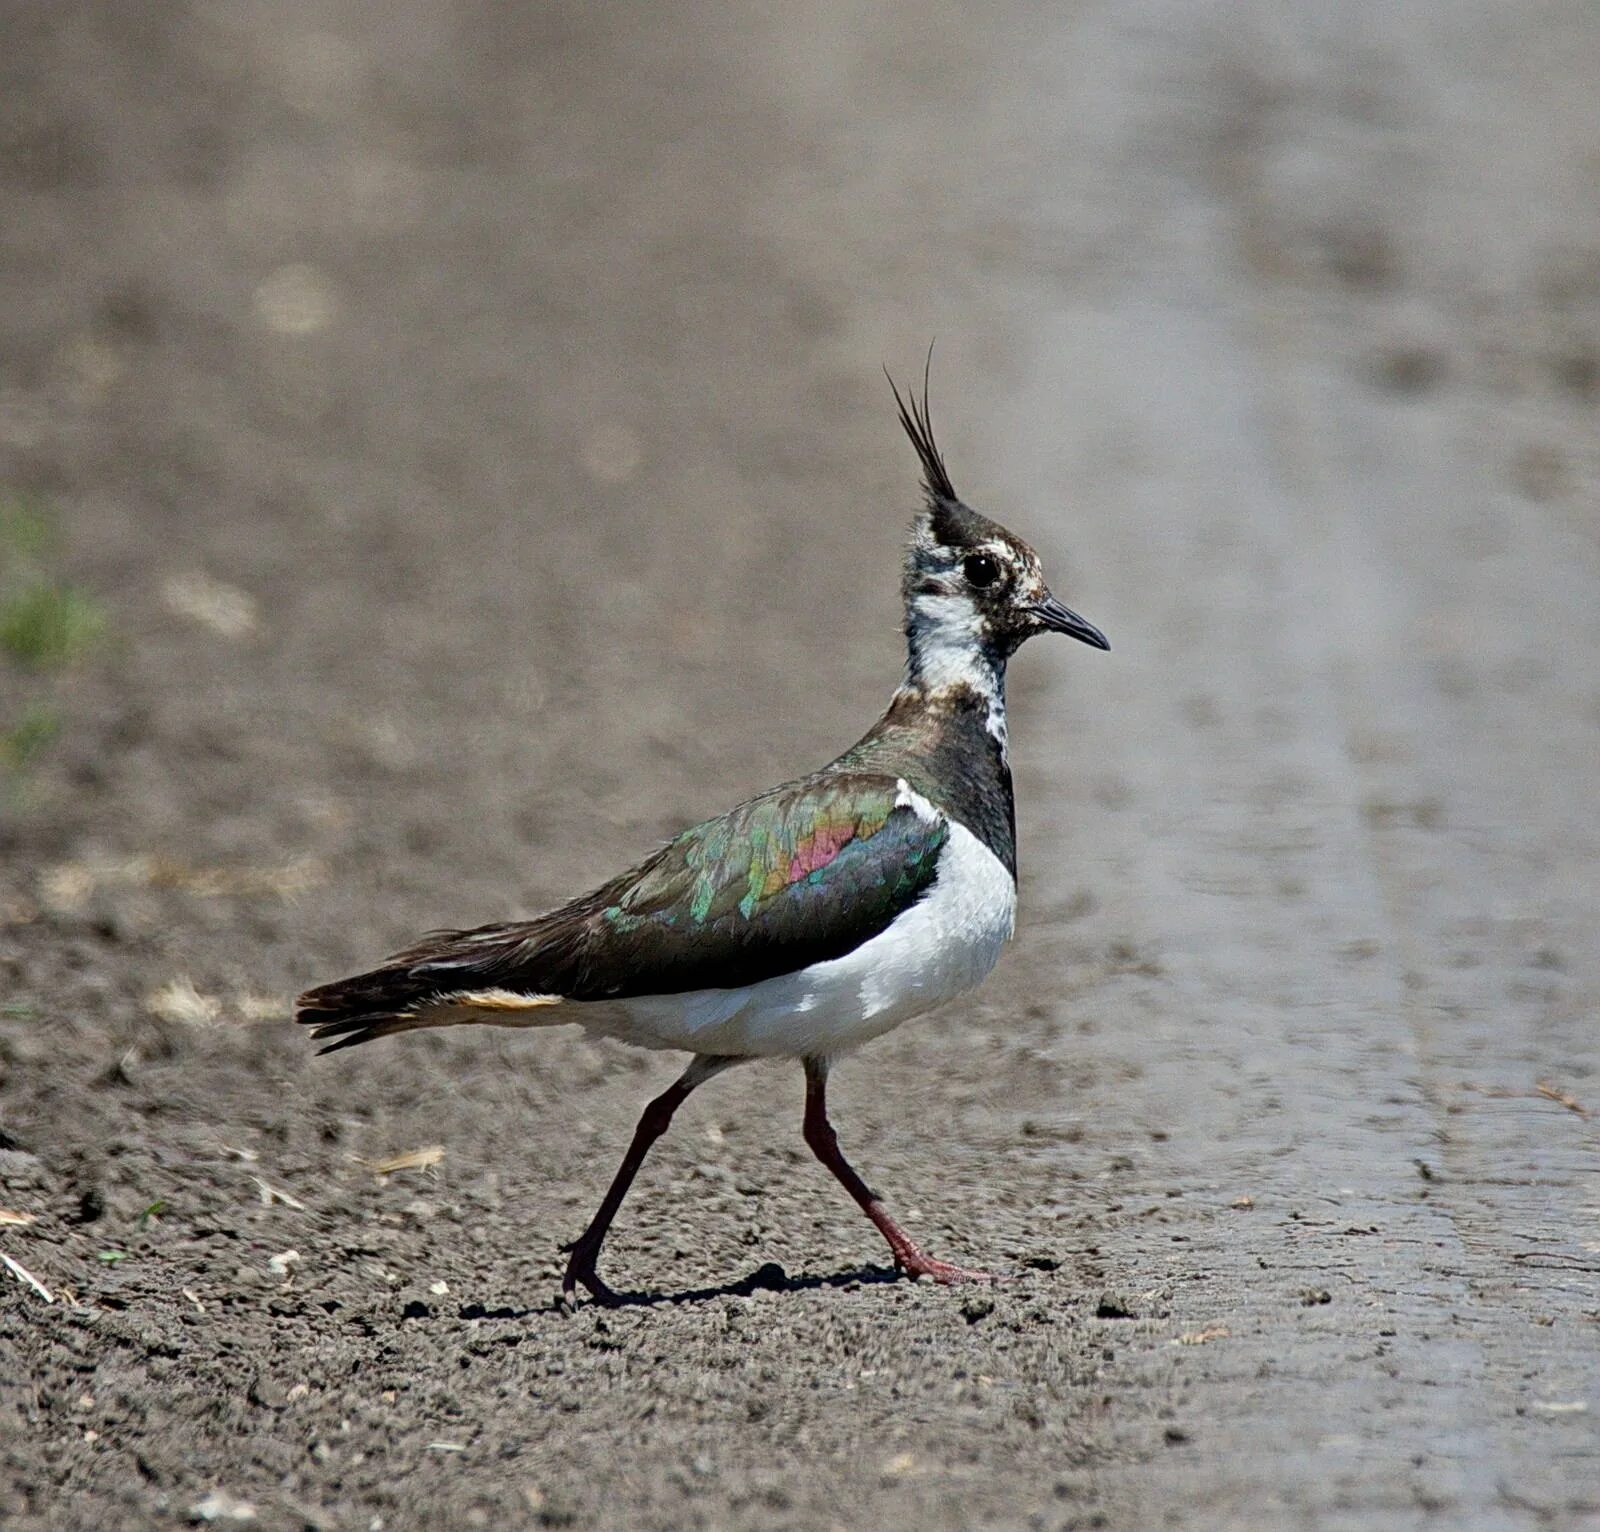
pixel 981 569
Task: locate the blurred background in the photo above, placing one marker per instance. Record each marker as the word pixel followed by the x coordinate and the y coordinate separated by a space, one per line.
pixel 444 449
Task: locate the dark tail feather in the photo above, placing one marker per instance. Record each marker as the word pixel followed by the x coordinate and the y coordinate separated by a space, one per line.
pixel 370 1005
pixel 444 982
pixel 350 1030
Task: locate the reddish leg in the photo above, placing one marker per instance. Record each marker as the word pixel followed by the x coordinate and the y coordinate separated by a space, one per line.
pixel 585 1250
pixel 824 1144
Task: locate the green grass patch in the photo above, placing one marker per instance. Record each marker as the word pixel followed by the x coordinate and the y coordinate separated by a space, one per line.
pixel 47 624
pixel 29 737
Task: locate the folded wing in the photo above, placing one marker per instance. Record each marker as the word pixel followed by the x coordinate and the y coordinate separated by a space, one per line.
pixel 802 874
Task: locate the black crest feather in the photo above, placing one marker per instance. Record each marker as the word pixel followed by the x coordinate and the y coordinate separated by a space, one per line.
pixel 917 418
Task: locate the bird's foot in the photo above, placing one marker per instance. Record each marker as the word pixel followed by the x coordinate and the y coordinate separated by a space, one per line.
pixel 581 1271
pixel 915 1264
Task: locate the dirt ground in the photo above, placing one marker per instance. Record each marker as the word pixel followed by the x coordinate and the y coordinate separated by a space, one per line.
pixel 469 417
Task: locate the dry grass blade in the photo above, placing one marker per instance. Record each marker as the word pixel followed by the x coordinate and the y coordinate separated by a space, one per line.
pixel 271 1194
pixel 179 1001
pixel 68 886
pixel 283 879
pixel 1566 1098
pixel 1203 1337
pixel 22 1274
pixel 11 1216
pixel 413 1159
pixel 225 609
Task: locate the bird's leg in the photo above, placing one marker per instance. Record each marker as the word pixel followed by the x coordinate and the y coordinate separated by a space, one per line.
pixel 653 1122
pixel 824 1144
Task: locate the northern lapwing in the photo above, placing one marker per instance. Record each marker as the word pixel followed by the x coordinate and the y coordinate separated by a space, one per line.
pixel 802 923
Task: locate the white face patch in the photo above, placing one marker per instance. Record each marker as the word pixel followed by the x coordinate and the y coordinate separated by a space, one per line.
pixel 951 641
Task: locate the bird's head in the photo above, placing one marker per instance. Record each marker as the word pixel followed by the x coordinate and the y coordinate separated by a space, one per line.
pixel 974 592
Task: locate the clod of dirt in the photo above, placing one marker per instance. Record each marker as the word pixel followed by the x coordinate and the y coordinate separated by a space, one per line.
pixel 115 1075
pixel 1410 368
pixel 1312 1296
pixel 771 1275
pixel 1112 1307
pixel 221 1507
pixel 21 1170
pixel 268 1394
pixel 548 1510
pixel 978 1306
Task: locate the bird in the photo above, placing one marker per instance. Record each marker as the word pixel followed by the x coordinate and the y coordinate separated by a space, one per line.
pixel 809 919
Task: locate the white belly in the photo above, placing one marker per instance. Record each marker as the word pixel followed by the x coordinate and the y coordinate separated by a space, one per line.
pixel 944 944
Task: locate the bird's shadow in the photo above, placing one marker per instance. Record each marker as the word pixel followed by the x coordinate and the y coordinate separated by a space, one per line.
pixel 768 1278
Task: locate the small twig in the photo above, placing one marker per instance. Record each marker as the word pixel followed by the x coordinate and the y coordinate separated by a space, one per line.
pixel 1556 1259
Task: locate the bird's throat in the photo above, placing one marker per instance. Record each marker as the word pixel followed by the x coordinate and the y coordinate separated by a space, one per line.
pixel 948 653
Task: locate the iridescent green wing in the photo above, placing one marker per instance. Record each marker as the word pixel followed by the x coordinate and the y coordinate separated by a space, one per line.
pixel 805 873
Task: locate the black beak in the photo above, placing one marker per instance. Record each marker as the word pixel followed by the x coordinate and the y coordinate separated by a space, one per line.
pixel 1060 619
